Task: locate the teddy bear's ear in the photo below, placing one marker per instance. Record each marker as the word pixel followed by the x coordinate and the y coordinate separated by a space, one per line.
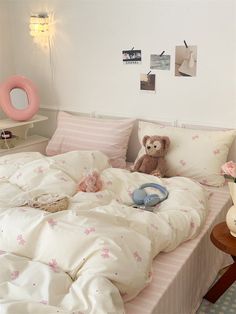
pixel 166 143
pixel 145 138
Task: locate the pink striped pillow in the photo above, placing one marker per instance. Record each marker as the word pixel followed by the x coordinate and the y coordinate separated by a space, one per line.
pixel 82 133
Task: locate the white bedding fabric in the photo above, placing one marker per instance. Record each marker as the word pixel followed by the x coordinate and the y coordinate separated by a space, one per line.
pixel 185 274
pixel 98 253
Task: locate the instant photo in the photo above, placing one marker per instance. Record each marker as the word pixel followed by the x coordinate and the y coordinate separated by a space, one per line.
pixel 158 62
pixel 186 61
pixel 132 56
pixel 147 82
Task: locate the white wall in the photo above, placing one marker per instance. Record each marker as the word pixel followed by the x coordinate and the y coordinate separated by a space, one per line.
pixel 7 65
pixel 86 59
pixel 6 52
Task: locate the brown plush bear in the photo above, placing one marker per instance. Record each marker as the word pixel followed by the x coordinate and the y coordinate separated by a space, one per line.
pixel 153 161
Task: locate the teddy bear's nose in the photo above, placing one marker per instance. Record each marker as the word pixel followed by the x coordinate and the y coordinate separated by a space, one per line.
pixel 148 147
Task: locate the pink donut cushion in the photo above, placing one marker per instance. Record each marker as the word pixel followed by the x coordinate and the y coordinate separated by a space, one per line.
pixel 32 95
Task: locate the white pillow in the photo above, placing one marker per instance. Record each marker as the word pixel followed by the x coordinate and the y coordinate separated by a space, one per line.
pixel 196 154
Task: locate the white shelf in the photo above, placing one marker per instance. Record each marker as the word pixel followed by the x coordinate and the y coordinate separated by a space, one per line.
pixel 9 123
pixel 32 143
pixel 20 128
pixel 24 142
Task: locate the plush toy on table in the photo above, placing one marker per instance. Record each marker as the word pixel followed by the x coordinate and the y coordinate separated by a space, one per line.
pixel 153 162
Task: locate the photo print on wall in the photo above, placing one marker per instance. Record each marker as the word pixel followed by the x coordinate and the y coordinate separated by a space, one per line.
pixel 160 62
pixel 186 61
pixel 132 56
pixel 147 82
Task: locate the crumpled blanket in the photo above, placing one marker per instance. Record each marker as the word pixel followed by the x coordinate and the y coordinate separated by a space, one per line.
pixel 98 253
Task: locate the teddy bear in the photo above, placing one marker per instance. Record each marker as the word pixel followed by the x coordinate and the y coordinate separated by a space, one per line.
pixel 153 161
pixel 91 182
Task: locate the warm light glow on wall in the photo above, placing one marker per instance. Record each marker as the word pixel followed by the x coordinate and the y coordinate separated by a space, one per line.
pixel 40 29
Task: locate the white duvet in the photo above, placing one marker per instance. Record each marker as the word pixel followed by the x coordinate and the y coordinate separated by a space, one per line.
pixel 96 254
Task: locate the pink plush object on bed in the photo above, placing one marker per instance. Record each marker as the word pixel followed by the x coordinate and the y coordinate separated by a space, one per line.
pixel 109 136
pixel 91 183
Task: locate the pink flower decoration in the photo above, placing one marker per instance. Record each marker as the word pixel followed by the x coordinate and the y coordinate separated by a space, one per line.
pixel 157 206
pixel 99 196
pixel 20 239
pixel 39 170
pixel 137 256
pixel 216 151
pixel 204 181
pixel 52 223
pixel 53 265
pixel 210 195
pixel 229 168
pixel 63 179
pixel 105 253
pixel 87 231
pixel 154 226
pixel 14 274
pixel 130 192
pixel 150 274
pixel 124 294
pixel 19 175
pixel 182 162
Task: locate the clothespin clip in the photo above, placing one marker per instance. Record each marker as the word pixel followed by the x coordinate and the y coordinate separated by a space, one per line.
pixel 149 72
pixel 185 44
pixel 162 53
pixel 132 48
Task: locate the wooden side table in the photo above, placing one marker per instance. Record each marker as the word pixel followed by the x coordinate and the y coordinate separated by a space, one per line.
pixel 223 240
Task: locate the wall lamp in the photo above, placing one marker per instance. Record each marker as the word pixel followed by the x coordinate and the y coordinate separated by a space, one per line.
pixel 40 28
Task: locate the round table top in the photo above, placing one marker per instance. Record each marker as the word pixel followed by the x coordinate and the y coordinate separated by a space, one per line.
pixel 223 240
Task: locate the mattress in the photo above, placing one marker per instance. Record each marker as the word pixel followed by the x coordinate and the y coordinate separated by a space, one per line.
pixel 182 277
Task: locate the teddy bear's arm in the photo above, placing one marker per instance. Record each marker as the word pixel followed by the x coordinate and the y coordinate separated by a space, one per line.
pixel 161 168
pixel 138 163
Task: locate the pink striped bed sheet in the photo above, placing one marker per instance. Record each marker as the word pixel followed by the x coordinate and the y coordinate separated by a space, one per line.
pixel 182 277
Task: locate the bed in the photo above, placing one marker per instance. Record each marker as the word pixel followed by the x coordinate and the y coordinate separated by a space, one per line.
pixel 181 278
pixel 97 256
pixel 185 275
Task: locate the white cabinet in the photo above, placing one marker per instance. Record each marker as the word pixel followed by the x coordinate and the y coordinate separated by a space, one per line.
pixel 24 142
